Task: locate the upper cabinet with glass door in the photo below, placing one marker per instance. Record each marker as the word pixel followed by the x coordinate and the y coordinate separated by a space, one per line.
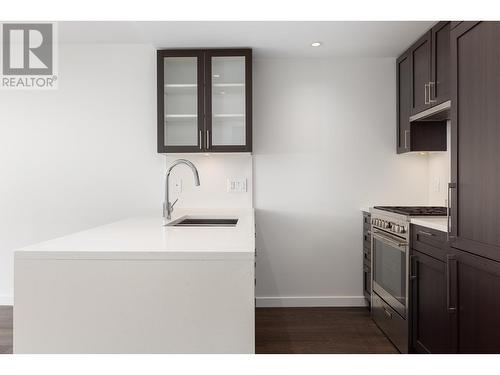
pixel 205 100
pixel 229 103
pixel 180 101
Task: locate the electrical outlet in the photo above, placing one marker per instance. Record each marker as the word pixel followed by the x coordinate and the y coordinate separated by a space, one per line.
pixel 236 185
pixel 178 185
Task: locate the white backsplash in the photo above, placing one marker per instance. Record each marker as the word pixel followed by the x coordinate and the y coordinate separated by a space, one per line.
pixel 214 171
pixel 439 173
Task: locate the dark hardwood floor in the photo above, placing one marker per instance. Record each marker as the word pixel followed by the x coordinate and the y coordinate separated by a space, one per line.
pixel 290 330
pixel 5 329
pixel 335 330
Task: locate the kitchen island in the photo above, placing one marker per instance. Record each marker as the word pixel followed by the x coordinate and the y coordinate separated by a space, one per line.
pixel 136 286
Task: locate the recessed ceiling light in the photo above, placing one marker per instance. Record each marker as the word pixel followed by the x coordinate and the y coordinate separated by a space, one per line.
pixel 316 44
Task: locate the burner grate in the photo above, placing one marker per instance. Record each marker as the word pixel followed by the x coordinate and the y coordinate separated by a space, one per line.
pixel 414 210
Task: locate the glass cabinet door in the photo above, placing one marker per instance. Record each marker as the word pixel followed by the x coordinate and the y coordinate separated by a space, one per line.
pixel 228 106
pixel 182 106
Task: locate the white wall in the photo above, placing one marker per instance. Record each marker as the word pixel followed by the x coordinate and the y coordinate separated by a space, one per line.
pixel 82 155
pixel 324 136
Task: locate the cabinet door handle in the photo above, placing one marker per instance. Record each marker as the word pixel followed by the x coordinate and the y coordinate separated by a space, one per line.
pixel 414 267
pixel 451 185
pixel 450 260
pixel 425 233
pixel 432 88
pixel 208 139
pixel 201 140
pixel 406 138
pixel 426 87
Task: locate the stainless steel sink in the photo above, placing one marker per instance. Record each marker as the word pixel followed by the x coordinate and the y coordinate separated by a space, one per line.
pixel 203 222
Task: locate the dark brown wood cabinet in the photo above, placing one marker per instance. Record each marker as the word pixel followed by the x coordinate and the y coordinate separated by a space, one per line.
pixel 440 87
pixel 430 64
pixel 423 81
pixel 475 203
pixel 204 100
pixel 403 82
pixel 454 300
pixel 474 191
pixel 424 136
pixel 475 289
pixel 420 57
pixel 455 292
pixel 431 323
pixel 477 299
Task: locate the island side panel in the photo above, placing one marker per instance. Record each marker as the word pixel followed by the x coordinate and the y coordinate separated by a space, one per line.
pixel 133 306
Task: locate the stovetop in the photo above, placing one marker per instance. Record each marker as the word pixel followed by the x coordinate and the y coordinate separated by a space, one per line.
pixel 414 210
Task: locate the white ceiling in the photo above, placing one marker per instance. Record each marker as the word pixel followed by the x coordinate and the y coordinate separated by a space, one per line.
pixel 267 38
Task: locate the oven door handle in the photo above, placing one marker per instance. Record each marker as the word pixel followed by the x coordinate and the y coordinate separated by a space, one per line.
pixel 389 240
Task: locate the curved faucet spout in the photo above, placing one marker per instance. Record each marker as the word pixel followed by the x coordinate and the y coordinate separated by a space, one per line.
pixel 167 206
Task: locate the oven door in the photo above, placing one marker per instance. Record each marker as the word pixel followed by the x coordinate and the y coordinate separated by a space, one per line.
pixel 389 269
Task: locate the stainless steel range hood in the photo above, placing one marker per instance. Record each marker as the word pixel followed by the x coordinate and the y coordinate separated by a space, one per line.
pixel 439 112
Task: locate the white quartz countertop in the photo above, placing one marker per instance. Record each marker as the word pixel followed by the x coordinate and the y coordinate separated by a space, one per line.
pixel 437 223
pixel 148 238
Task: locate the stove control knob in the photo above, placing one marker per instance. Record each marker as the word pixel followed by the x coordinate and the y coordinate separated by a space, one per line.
pixel 403 229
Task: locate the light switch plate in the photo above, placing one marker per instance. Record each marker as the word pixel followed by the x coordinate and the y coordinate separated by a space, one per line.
pixel 236 185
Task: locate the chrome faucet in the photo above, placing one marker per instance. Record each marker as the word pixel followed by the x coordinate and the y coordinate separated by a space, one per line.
pixel 168 207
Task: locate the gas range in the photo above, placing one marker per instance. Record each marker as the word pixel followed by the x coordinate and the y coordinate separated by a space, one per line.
pixel 414 210
pixel 390 257
pixel 396 219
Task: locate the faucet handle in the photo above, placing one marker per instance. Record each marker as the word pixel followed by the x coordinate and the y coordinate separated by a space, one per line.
pixel 173 204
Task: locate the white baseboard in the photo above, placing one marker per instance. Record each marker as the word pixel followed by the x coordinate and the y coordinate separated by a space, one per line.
pixel 316 301
pixel 6 300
